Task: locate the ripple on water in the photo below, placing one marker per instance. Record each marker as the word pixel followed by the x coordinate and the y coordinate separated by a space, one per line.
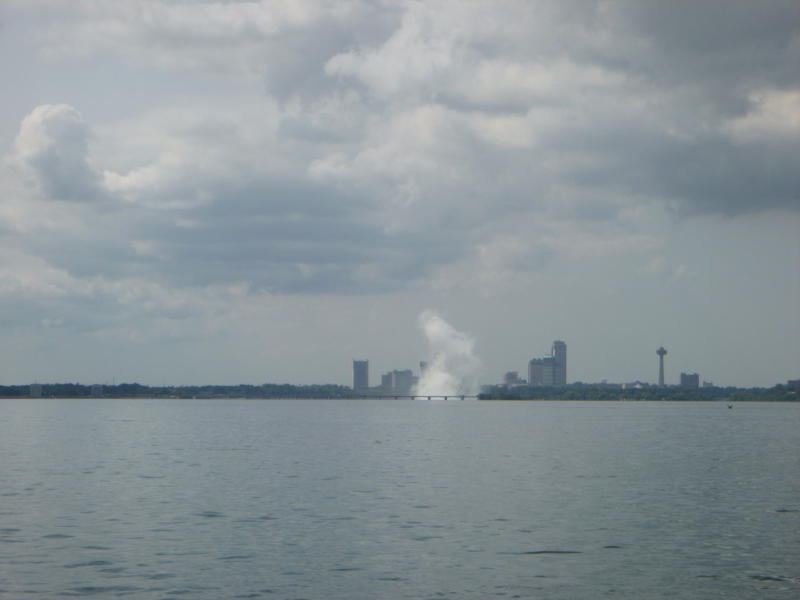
pixel 532 552
pixel 766 578
pixel 91 563
pixel 158 576
pixel 91 590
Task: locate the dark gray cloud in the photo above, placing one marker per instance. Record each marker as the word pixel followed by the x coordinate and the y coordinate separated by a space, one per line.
pixel 754 40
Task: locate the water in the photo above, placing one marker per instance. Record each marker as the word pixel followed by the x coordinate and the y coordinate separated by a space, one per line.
pixel 398 499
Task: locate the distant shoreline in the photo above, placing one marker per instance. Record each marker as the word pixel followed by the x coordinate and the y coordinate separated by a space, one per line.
pixel 388 398
pixel 575 391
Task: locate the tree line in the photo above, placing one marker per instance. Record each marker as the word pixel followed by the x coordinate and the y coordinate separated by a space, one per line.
pixel 779 393
pixel 136 390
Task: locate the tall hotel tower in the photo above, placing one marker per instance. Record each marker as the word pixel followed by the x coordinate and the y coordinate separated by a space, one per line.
pixel 360 375
pixel 560 371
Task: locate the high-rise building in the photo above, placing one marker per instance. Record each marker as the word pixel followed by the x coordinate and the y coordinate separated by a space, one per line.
pixel 398 383
pixel 690 380
pixel 386 382
pixel 360 375
pixel 511 378
pixel 403 381
pixel 559 352
pixel 36 390
pixel 549 370
pixel 535 371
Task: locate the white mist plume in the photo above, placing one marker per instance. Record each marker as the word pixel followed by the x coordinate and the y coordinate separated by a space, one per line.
pixel 452 368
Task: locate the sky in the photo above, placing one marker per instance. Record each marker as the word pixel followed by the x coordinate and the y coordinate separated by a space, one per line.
pixel 248 192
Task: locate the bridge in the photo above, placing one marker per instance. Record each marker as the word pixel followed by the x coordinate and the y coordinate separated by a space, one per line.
pixel 418 397
pixel 367 397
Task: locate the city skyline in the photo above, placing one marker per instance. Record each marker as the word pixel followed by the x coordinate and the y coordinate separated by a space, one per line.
pixel 224 192
pixel 549 371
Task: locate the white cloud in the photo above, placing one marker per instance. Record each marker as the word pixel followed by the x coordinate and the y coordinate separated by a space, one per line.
pixel 418 52
pixel 51 151
pixel 775 116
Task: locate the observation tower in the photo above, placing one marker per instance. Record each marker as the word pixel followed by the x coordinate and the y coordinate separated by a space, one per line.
pixel 661 353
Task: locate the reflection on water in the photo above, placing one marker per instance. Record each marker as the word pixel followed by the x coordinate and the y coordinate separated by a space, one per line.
pixel 398 499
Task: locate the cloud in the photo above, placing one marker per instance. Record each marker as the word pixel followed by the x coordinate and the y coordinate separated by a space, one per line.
pixel 203 204
pixel 51 151
pixel 283 44
pixel 642 98
pixel 394 146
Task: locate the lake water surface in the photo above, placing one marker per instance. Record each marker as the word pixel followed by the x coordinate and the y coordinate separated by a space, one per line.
pixel 398 499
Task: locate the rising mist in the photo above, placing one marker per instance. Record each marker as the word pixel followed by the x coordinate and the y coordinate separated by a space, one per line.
pixel 452 367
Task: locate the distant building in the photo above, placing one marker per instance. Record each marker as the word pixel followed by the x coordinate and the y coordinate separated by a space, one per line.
pixel 97 391
pixel 535 371
pixel 635 385
pixel 690 381
pixel 549 370
pixel 360 375
pixel 36 390
pixel 793 384
pixel 559 352
pixel 403 382
pixel 511 378
pixel 708 384
pixel 398 383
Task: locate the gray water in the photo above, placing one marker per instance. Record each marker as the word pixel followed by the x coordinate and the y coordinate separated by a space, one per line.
pixel 398 499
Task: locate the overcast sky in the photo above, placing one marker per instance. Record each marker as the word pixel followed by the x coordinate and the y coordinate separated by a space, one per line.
pixel 250 192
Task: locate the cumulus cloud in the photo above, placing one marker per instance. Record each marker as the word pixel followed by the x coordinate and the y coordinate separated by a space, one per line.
pixel 208 200
pixel 51 151
pixel 604 94
pixel 391 144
